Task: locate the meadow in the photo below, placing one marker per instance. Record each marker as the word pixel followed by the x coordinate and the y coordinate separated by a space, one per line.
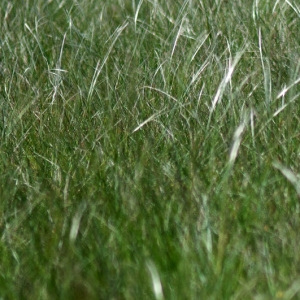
pixel 149 149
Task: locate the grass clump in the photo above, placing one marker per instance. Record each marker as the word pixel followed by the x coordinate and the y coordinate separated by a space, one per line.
pixel 149 150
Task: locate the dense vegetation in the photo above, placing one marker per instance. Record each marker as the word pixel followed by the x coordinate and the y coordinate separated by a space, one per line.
pixel 149 149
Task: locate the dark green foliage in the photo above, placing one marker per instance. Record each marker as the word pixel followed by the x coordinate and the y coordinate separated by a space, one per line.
pixel 147 145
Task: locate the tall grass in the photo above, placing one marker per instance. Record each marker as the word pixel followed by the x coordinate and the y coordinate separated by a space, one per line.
pixel 149 149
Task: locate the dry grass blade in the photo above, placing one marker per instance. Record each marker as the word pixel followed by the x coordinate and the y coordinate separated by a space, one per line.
pixel 289 175
pixel 100 64
pixel 151 118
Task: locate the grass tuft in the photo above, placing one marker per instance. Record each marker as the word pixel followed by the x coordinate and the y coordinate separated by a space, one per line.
pixel 149 149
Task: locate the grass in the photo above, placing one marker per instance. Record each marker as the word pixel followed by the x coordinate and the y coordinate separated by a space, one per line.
pixel 149 149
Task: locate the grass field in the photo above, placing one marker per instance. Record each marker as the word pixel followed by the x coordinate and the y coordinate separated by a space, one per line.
pixel 149 149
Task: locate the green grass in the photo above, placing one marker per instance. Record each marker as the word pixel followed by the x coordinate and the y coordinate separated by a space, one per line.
pixel 149 149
